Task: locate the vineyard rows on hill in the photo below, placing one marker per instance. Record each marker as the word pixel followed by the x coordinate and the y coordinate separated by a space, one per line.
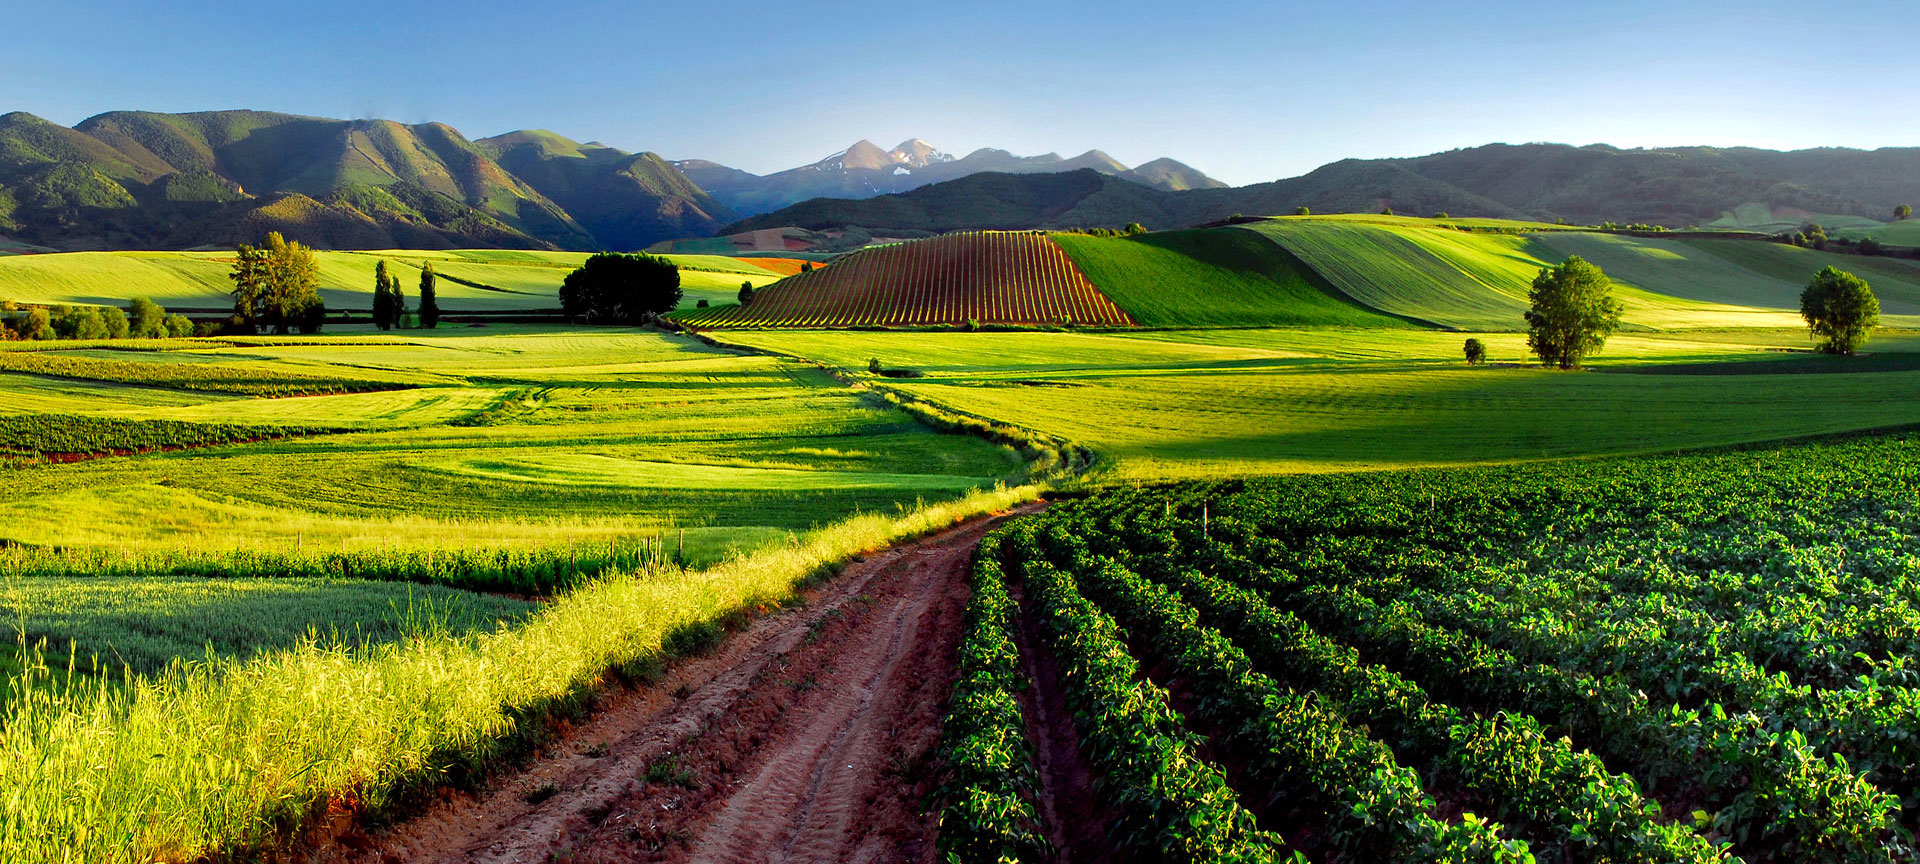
pixel 1693 658
pixel 999 277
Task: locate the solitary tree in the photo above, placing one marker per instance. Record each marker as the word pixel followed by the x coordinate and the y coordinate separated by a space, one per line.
pixel 1573 313
pixel 1135 229
pixel 1901 212
pixel 621 289
pixel 429 301
pixel 746 293
pixel 1840 309
pixel 1302 210
pixel 276 285
pixel 1476 352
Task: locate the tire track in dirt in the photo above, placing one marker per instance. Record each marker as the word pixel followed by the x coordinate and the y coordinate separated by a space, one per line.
pixel 808 736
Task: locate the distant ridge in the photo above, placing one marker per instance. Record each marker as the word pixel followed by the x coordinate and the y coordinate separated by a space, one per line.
pixel 863 170
pixel 1675 187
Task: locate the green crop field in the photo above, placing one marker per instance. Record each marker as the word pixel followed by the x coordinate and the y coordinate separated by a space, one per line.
pixel 378 549
pixel 1230 403
pixel 1212 278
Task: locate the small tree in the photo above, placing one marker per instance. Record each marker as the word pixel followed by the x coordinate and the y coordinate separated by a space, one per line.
pixel 1476 352
pixel 146 319
pixel 116 321
pixel 179 325
pixel 746 293
pixel 873 365
pixel 1302 210
pixel 806 266
pixel 1573 312
pixel 1840 309
pixel 429 301
pixel 1386 211
pixel 1441 215
pixel 1901 213
pixel 1135 229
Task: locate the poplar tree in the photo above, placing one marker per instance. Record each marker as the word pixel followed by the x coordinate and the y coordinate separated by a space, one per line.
pixel 429 303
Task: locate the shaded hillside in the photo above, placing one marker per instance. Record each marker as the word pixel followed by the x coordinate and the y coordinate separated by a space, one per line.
pixel 989 200
pixel 626 201
pixel 135 179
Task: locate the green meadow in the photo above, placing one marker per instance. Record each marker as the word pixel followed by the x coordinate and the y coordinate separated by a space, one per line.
pixel 474 280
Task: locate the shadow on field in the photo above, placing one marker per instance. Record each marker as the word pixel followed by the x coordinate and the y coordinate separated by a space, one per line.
pixel 1789 364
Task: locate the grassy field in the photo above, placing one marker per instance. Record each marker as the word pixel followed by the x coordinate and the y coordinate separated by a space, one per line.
pixel 538 437
pixel 473 280
pixel 1206 404
pixel 1212 278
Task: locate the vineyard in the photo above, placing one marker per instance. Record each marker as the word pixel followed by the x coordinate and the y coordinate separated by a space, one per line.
pixel 1690 658
pixel 989 277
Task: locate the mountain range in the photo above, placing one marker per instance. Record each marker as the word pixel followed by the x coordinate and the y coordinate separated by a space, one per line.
pixel 137 179
pixel 1676 187
pixel 865 171
pixel 146 180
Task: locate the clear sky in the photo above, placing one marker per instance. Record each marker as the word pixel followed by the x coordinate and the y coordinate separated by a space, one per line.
pixel 1245 91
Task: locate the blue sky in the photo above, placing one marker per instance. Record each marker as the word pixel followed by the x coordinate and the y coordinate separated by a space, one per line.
pixel 1245 91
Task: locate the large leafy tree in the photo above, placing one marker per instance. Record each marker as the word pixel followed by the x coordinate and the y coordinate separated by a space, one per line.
pixel 1840 309
pixel 276 285
pixel 1573 312
pixel 621 289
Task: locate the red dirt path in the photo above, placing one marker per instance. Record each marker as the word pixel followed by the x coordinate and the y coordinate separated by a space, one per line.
pixel 810 736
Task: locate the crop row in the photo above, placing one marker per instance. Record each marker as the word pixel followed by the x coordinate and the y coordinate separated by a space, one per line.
pixel 991 783
pixel 247 378
pixel 72 435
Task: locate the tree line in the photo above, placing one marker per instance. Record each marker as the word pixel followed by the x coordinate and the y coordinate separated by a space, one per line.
pixel 141 319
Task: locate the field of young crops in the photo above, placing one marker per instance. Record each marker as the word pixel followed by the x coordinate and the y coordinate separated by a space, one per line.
pixel 1682 658
pixel 999 277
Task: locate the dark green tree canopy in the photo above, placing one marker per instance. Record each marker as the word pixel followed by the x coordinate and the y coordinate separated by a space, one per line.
pixel 1840 309
pixel 1573 312
pixel 1476 352
pixel 429 297
pixel 1902 212
pixel 276 285
pixel 621 289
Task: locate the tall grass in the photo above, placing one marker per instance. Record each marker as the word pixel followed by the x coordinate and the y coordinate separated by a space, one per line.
pixel 218 757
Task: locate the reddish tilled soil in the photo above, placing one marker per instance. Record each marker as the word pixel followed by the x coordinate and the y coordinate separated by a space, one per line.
pixel 810 736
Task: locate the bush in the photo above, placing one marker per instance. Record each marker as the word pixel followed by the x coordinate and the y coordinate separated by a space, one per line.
pixel 701 303
pixel 146 319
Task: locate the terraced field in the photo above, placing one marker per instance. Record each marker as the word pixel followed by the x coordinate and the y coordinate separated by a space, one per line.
pixel 1001 277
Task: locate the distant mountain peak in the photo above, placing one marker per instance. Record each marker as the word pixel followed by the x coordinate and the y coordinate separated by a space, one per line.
pixel 915 153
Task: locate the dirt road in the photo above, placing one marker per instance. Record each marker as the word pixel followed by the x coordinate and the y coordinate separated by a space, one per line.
pixel 807 737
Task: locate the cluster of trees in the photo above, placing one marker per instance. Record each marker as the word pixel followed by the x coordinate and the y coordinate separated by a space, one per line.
pixel 612 288
pixel 1628 226
pixel 1573 311
pixel 142 319
pixel 390 300
pixel 276 285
